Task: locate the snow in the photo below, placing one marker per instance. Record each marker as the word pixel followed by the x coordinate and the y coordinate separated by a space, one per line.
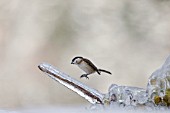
pixel 81 109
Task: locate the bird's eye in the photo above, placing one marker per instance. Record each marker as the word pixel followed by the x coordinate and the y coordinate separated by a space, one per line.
pixel 78 61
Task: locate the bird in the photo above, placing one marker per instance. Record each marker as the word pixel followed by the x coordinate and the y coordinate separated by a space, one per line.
pixel 87 66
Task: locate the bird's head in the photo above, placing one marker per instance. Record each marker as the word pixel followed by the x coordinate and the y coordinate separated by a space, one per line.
pixel 76 60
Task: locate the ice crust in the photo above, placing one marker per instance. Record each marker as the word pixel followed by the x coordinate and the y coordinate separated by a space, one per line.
pixel 159 81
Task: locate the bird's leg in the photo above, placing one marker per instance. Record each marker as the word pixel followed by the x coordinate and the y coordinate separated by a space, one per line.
pixel 84 75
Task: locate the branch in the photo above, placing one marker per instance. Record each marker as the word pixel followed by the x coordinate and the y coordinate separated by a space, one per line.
pixel 90 94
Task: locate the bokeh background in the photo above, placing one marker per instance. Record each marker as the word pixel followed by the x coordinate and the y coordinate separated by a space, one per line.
pixel 130 38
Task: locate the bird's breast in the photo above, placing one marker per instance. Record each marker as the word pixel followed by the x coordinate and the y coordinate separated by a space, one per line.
pixel 86 68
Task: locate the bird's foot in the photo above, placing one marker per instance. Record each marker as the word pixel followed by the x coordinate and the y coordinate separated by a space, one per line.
pixel 84 75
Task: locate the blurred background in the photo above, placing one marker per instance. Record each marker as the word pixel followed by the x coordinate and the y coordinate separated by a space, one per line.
pixel 129 38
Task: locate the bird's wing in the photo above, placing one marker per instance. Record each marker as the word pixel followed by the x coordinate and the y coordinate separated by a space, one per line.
pixel 90 63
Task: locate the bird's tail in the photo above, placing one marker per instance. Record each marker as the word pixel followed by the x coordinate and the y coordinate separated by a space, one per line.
pixel 101 70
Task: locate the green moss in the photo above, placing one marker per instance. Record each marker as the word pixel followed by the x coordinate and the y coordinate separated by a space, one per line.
pixel 157 100
pixel 167 92
pixel 166 98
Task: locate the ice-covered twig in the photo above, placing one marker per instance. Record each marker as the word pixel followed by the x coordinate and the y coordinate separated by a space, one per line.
pixel 90 94
pixel 157 92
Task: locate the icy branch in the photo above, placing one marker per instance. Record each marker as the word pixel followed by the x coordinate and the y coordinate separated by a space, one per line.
pixel 157 92
pixel 92 95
